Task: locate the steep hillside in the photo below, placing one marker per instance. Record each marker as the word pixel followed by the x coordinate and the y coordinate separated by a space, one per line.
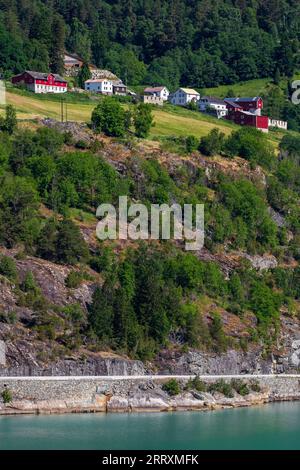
pixel 72 304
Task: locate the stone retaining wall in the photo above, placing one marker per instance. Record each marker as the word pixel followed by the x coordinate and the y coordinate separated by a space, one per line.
pixel 92 394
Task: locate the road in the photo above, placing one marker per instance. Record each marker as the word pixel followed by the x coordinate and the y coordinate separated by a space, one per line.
pixel 148 377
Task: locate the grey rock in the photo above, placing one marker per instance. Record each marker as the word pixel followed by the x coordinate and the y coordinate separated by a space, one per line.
pixel 2 353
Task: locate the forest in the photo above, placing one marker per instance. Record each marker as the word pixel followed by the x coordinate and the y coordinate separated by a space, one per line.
pixel 151 295
pixel 200 43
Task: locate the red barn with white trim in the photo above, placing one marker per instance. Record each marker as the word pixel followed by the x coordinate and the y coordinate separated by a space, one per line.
pixel 41 82
pixel 247 112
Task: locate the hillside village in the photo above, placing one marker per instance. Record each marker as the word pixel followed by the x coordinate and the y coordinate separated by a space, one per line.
pixel 243 111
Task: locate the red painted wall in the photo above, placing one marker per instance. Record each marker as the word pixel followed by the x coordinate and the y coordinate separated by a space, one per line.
pixel 28 79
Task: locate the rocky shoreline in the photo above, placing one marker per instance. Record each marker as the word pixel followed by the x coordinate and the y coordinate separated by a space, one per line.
pixel 142 394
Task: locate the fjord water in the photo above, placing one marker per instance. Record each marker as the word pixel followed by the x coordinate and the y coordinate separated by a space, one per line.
pixel 275 426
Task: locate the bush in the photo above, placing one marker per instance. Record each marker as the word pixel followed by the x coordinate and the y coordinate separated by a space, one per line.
pixel 143 120
pixel 109 117
pixel 254 386
pixel 171 387
pixel 8 267
pixel 222 387
pixel 251 144
pixel 191 143
pixel 73 279
pixel 240 387
pixel 196 384
pixel 6 395
pixel 212 143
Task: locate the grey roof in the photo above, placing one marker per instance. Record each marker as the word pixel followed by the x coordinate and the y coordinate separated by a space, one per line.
pixel 243 100
pixel 232 103
pixel 213 99
pixel 44 76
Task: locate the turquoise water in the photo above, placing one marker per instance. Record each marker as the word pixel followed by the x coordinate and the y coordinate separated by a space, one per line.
pixel 275 426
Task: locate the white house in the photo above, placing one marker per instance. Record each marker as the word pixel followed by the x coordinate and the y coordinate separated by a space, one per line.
pixel 161 92
pixel 99 85
pixel 183 96
pixel 210 104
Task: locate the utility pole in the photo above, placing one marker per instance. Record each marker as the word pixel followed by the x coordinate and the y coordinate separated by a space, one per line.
pixel 62 109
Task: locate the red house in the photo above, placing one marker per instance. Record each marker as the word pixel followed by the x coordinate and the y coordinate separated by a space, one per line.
pixel 253 105
pixel 247 112
pixel 244 118
pixel 41 82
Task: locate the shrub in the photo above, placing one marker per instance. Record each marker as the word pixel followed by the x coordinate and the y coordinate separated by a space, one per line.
pixel 109 117
pixel 240 387
pixel 191 143
pixel 222 387
pixel 143 120
pixel 73 279
pixel 212 143
pixel 171 387
pixel 254 386
pixel 196 384
pixel 6 395
pixel 8 267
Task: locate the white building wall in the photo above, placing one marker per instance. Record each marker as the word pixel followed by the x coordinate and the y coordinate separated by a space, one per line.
pixel 104 87
pixel 164 94
pixel 39 88
pixel 278 123
pixel 182 98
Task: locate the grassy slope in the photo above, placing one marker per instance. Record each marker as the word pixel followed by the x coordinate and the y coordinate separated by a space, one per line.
pixel 250 88
pixel 169 121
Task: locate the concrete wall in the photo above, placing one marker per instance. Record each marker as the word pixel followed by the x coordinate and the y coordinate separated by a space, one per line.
pixel 46 394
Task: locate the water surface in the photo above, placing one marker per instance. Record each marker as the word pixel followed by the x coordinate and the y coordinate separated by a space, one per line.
pixel 274 426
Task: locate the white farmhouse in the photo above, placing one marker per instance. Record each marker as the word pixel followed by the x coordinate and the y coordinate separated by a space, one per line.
pixel 183 96
pixel 99 85
pixel 161 92
pixel 212 105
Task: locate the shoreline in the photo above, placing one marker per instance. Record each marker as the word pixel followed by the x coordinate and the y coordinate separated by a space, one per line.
pixel 127 394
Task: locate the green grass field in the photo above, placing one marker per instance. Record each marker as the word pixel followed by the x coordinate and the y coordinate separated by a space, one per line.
pixel 168 121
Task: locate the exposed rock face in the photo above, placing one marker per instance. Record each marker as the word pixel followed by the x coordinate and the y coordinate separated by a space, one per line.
pixel 2 354
pixel 93 365
pixel 231 362
pixel 295 356
pixel 262 262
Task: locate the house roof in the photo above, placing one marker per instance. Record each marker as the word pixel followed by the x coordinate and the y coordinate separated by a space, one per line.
pixel 44 76
pixel 189 91
pixel 244 100
pixel 213 99
pixel 154 89
pixel 118 83
pixel 97 80
pixel 232 103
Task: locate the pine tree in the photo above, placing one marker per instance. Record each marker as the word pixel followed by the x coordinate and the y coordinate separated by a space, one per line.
pixel 71 247
pixel 58 45
pixel 84 74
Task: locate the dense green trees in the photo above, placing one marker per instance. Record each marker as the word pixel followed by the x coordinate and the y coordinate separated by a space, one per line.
pixel 142 120
pixel 252 145
pixel 62 242
pixel 213 143
pixel 154 42
pixel 154 295
pixel 83 75
pixel 9 123
pixel 109 117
